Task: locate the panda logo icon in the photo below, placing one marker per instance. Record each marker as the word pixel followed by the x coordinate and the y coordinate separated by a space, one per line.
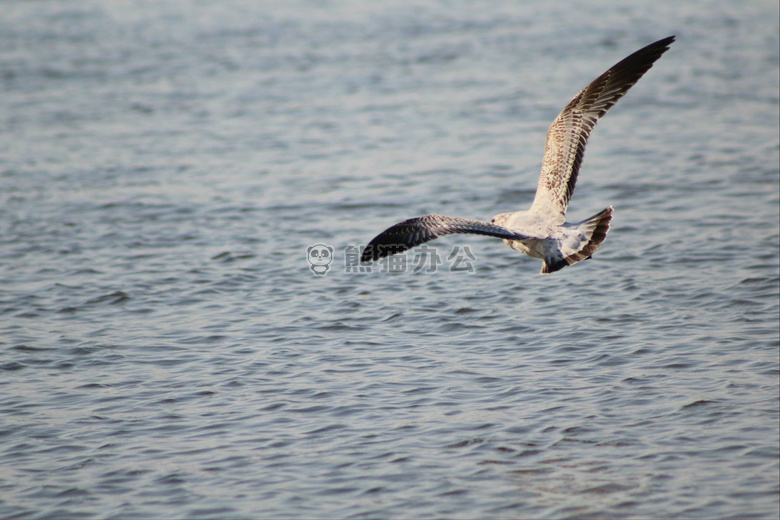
pixel 320 256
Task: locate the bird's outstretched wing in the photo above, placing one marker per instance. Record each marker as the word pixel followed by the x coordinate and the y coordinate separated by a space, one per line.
pixel 569 132
pixel 415 231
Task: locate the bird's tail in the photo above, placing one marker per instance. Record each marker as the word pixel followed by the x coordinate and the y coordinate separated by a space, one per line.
pixel 594 231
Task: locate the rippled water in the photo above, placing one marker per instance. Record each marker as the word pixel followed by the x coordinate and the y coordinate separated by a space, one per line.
pixel 166 351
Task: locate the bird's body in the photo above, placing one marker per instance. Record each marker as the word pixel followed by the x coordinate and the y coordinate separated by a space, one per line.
pixel 556 243
pixel 542 231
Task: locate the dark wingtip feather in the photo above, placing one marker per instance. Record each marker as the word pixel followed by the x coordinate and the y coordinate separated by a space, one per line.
pixel 395 239
pixel 378 249
pixel 643 59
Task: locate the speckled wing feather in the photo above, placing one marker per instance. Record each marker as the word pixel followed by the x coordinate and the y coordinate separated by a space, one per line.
pixel 569 133
pixel 415 231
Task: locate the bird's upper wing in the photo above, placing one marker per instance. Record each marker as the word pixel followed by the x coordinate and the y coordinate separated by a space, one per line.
pixel 569 132
pixel 415 231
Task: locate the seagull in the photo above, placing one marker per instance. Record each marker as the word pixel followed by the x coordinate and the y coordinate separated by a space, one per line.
pixel 542 231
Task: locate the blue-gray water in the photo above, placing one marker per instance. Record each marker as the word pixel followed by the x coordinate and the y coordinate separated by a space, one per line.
pixel 167 353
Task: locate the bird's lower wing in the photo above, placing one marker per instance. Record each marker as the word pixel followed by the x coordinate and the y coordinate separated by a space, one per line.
pixel 415 231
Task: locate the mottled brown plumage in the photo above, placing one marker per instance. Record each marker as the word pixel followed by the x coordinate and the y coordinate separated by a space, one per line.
pixel 569 132
pixel 542 231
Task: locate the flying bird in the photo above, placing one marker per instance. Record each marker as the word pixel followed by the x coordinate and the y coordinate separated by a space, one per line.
pixel 542 231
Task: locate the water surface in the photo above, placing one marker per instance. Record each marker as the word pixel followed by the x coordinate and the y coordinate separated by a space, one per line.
pixel 167 353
